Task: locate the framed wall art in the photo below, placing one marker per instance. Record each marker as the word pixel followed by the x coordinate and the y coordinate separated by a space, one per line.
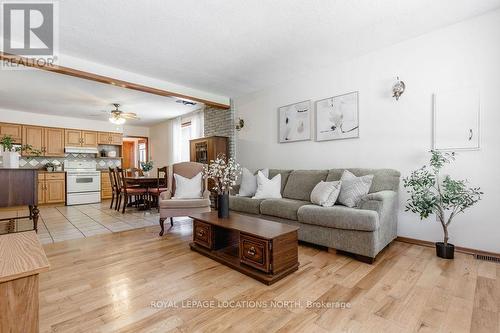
pixel 295 122
pixel 337 117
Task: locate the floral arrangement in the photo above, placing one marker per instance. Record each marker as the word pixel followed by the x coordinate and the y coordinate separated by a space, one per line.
pixel 224 174
pixel 429 194
pixel 147 166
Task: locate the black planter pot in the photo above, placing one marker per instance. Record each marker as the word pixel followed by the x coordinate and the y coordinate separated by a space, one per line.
pixel 445 252
pixel 223 205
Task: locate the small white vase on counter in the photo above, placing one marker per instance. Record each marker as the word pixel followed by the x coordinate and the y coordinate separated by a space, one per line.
pixel 10 159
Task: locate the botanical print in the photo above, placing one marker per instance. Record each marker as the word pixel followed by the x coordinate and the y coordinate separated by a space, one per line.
pixel 337 117
pixel 294 122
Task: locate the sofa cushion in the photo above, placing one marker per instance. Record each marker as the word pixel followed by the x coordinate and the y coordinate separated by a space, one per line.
pixel 301 183
pixel 284 176
pixel 383 179
pixel 339 217
pixel 244 204
pixel 284 208
pixel 184 203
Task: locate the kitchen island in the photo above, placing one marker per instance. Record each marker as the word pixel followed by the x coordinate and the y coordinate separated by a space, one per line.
pixel 19 187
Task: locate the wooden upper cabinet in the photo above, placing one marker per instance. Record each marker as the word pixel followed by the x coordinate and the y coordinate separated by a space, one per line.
pixel 33 136
pixel 76 138
pixel 89 139
pixel 103 138
pixel 53 142
pixel 116 139
pixel 14 130
pixel 73 138
pixel 107 138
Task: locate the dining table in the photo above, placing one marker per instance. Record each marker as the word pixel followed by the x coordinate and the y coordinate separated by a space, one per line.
pixel 143 181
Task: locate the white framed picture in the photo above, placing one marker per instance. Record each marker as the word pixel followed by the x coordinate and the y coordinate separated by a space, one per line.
pixel 295 122
pixel 337 117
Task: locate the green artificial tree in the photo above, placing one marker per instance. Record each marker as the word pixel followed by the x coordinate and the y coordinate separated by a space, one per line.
pixel 430 193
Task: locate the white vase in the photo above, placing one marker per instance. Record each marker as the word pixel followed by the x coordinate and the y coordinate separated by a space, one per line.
pixel 10 159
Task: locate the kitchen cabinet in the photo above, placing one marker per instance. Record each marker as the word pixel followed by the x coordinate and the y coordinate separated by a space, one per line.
pixel 49 141
pixel 107 138
pixel 33 136
pixel 53 142
pixel 51 187
pixel 77 138
pixel 106 189
pixel 14 130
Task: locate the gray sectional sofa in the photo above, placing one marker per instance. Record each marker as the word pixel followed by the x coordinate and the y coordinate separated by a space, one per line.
pixel 363 231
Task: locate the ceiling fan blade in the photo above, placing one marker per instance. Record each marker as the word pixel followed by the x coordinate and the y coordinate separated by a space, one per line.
pixel 129 115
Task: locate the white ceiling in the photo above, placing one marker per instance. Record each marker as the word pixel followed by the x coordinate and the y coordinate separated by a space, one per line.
pixel 49 93
pixel 235 47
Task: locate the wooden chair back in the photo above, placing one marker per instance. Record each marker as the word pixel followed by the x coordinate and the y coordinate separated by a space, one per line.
pixel 162 175
pixel 133 172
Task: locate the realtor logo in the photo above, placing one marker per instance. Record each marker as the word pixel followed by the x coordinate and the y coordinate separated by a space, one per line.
pixel 29 30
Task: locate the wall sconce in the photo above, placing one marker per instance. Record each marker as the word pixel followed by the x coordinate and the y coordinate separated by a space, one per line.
pixel 398 88
pixel 239 124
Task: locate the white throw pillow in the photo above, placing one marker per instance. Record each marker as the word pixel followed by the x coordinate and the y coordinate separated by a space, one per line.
pixel 248 185
pixel 353 188
pixel 268 188
pixel 186 188
pixel 325 193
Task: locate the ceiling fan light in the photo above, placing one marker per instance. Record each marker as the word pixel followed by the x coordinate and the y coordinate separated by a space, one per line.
pixel 117 120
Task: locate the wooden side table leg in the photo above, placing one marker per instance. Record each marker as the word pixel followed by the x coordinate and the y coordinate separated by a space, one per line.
pixel 35 211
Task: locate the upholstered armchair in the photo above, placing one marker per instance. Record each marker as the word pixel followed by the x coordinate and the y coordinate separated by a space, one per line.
pixel 170 206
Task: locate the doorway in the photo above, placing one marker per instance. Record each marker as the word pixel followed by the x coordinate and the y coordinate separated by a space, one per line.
pixel 134 151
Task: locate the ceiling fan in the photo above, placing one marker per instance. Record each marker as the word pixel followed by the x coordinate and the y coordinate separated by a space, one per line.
pixel 119 117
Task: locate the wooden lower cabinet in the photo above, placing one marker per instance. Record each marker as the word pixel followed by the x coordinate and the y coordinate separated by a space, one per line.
pixel 51 188
pixel 106 189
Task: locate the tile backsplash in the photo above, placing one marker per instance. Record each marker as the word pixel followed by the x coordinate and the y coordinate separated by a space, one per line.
pixel 39 162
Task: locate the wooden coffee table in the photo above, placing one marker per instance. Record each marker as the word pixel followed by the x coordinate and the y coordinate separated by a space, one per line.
pixel 264 250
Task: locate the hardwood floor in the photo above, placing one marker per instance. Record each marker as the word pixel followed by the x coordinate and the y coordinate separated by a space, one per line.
pixel 125 282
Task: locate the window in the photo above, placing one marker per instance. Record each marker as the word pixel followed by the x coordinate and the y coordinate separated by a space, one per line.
pixel 186 136
pixel 142 152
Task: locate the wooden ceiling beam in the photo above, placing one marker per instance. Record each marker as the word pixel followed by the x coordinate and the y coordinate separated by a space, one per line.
pixel 105 79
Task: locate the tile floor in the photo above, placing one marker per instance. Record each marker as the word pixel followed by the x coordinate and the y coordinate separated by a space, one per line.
pixel 60 223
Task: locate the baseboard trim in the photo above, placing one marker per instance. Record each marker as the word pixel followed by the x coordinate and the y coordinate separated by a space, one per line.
pixel 460 249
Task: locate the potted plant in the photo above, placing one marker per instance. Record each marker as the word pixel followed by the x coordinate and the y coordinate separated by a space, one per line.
pixel 147 167
pixel 445 197
pixel 10 153
pixel 224 175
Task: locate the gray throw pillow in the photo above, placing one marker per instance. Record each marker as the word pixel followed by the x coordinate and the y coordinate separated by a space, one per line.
pixel 353 188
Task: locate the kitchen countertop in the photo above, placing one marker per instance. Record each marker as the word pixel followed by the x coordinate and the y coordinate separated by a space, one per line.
pixel 22 255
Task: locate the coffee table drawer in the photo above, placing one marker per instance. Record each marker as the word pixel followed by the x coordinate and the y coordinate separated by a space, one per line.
pixel 202 234
pixel 254 252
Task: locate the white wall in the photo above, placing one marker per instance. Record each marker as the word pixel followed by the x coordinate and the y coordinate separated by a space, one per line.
pixel 28 118
pixel 397 134
pixel 160 144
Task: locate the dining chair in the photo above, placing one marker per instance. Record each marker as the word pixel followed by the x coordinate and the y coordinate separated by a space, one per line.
pixel 170 206
pixel 161 185
pixel 115 190
pixel 127 191
pixel 132 172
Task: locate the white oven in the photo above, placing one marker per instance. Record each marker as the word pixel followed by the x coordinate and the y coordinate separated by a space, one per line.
pixel 83 182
